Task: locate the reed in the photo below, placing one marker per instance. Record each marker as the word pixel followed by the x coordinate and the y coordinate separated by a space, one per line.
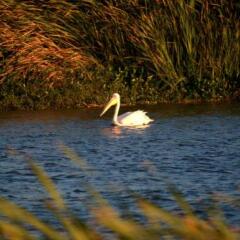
pixel 109 223
pixel 162 50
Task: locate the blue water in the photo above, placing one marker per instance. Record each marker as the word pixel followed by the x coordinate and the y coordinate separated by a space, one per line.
pixel 194 147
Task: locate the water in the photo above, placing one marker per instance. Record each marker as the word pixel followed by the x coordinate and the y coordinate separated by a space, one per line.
pixel 194 147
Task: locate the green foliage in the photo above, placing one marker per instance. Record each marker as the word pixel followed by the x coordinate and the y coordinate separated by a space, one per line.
pixel 150 51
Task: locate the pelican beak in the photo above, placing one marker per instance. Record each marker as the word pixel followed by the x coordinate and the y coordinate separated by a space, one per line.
pixel 112 102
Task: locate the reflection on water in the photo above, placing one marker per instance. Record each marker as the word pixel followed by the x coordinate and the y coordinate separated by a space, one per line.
pixel 112 131
pixel 116 131
pixel 195 147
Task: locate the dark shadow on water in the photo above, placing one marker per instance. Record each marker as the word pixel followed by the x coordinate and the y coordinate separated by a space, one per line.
pixel 160 110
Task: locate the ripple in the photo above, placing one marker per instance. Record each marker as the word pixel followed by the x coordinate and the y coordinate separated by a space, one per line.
pixel 196 149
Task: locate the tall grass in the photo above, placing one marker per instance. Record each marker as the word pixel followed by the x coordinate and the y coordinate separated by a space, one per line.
pixel 154 50
pixel 17 223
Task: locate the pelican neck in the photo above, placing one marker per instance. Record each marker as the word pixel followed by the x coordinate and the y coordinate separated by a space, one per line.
pixel 115 116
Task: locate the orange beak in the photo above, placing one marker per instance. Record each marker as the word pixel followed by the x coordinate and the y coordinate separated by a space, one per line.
pixel 112 102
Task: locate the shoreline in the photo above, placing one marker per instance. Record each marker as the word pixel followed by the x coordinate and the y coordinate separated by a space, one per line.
pixel 11 108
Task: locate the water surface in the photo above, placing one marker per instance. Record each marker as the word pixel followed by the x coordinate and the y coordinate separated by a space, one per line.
pixel 194 147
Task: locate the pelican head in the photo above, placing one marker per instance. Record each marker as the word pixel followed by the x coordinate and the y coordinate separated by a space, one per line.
pixel 113 101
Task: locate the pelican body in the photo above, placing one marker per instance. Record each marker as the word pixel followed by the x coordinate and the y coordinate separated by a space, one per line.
pixel 136 118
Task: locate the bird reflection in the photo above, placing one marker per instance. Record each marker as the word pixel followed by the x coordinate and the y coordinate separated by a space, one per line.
pixel 118 132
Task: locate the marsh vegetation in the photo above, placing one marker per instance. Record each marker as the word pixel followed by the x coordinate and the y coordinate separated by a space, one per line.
pixel 59 54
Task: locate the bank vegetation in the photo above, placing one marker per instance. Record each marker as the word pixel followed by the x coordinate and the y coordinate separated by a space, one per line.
pixel 59 54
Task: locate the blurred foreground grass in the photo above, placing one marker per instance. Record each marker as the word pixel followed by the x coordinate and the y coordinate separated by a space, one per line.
pixel 15 221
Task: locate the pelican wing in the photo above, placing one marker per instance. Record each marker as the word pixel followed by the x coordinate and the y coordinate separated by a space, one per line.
pixel 134 118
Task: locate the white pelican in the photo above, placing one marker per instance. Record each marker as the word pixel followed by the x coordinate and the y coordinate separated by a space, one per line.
pixel 136 118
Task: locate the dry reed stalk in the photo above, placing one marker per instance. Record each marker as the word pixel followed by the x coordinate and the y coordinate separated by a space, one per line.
pixel 33 54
